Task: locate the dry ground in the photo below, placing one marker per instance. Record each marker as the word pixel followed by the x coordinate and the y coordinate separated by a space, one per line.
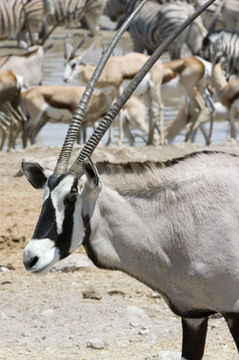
pixel 48 318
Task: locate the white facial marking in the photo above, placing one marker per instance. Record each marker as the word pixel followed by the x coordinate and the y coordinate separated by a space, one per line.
pixel 46 193
pixel 78 228
pixel 45 251
pixel 58 196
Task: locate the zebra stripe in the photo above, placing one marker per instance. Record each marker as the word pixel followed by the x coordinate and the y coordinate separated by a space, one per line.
pixel 68 12
pixel 155 22
pixel 19 15
pixel 223 43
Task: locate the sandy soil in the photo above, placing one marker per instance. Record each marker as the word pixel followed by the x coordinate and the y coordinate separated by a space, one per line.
pixel 50 318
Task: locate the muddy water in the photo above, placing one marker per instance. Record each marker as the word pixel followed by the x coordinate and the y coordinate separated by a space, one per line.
pixel 53 134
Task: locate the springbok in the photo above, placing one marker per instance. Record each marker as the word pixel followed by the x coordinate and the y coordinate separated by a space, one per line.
pixel 228 94
pixel 117 72
pixel 29 65
pixel 173 225
pixel 182 121
pixel 57 103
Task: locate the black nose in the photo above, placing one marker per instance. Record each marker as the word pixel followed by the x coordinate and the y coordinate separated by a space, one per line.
pixel 29 263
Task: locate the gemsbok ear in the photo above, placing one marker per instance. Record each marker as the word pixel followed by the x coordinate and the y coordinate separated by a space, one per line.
pixel 91 173
pixel 35 174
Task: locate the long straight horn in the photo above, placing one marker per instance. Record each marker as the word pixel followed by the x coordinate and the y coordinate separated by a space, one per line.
pixel 86 152
pixel 64 157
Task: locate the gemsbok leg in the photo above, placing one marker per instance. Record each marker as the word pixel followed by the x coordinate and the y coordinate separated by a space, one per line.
pixel 194 336
pixel 232 320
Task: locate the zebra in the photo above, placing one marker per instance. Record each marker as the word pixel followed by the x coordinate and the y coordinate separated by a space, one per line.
pixel 86 12
pixel 21 16
pixel 225 44
pixel 155 22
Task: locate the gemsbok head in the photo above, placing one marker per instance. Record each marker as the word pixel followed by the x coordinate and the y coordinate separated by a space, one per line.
pixel 173 225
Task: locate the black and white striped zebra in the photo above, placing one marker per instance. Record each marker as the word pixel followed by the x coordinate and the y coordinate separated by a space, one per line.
pixel 20 16
pixel 68 12
pixel 156 21
pixel 224 44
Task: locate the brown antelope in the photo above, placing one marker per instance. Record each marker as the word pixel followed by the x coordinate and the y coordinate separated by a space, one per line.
pixel 173 225
pixel 228 93
pixel 182 121
pixel 57 103
pixel 118 70
pixel 10 88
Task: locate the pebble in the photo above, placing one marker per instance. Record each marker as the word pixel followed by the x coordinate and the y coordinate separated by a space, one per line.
pixel 91 294
pixel 144 331
pixel 136 311
pixel 95 344
pixel 133 324
pixel 155 295
pixel 72 263
pixel 48 312
pixel 165 355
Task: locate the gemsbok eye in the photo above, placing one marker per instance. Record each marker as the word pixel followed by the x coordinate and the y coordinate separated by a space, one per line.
pixel 71 196
pixel 73 66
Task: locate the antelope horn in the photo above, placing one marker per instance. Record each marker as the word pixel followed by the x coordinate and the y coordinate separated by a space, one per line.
pixel 69 52
pixel 89 147
pixel 79 45
pixel 73 129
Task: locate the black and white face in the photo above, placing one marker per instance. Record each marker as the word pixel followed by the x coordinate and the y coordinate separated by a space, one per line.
pixel 60 228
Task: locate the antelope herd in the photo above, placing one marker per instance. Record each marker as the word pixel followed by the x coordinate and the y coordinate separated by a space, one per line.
pixel 198 79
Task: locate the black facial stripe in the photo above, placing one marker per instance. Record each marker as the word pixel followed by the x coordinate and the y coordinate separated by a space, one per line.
pixel 46 224
pixel 63 242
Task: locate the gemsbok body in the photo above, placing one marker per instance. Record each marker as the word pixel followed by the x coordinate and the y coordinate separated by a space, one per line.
pixel 173 225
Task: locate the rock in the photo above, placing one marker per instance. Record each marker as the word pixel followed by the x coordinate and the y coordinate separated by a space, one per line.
pixel 133 324
pixel 134 312
pixel 155 295
pixel 165 355
pixel 48 312
pixel 144 331
pixel 72 263
pixel 95 344
pixel 115 292
pixel 91 294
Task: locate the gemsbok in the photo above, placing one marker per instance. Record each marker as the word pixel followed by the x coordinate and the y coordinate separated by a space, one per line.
pixel 173 225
